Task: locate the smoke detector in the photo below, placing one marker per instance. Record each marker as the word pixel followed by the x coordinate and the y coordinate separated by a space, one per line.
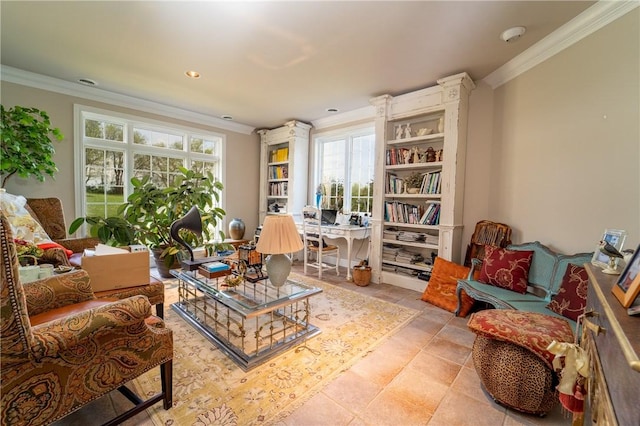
pixel 512 34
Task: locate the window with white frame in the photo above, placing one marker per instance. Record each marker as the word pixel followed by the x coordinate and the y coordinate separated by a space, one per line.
pixel 344 170
pixel 116 147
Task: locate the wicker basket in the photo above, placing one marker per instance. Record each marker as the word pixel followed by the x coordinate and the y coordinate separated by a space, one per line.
pixel 362 275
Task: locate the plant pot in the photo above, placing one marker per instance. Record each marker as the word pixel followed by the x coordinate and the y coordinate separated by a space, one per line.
pixel 163 270
pixel 362 275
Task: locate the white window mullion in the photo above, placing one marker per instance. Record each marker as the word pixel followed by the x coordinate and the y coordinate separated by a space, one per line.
pixel 166 146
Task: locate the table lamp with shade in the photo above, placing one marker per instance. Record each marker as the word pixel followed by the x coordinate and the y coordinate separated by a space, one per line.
pixel 279 236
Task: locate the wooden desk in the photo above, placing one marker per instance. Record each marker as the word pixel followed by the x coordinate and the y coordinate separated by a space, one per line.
pixel 350 233
pixel 613 344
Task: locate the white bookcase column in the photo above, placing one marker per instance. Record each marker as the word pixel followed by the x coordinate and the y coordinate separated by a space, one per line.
pixel 284 158
pixel 422 132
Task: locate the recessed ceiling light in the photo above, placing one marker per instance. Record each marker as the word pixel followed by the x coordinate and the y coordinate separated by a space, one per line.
pixel 192 74
pixel 87 82
pixel 333 110
pixel 226 117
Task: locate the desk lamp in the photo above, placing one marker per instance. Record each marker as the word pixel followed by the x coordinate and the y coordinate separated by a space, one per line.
pixel 279 236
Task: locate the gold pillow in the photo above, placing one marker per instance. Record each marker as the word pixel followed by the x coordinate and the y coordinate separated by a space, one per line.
pixel 441 290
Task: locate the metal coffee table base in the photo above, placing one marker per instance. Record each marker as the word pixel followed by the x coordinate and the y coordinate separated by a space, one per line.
pixel 248 340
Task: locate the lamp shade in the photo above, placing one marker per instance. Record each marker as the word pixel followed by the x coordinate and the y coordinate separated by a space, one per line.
pixel 279 235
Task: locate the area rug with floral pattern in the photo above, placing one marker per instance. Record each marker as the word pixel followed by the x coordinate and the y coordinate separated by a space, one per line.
pixel 210 389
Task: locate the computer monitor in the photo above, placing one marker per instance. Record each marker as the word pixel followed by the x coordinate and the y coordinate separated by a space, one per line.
pixel 329 216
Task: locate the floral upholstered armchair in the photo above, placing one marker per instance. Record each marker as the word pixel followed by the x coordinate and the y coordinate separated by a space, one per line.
pixel 61 348
pixel 49 213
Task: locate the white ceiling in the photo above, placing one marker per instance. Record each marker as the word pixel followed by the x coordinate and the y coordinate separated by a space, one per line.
pixel 264 63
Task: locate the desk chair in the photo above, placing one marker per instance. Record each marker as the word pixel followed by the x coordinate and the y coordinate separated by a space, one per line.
pixel 314 243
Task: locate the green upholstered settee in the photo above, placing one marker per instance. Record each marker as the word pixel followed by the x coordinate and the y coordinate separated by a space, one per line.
pixel 545 277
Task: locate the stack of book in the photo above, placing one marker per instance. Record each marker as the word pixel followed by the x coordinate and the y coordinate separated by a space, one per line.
pixel 214 269
pixel 389 252
pixel 390 234
pixel 410 236
pixel 406 256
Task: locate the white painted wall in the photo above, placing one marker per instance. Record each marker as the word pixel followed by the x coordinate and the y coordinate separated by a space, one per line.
pixel 242 166
pixel 562 161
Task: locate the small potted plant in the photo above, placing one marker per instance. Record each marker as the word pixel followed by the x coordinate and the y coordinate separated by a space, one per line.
pixel 413 182
pixel 27 148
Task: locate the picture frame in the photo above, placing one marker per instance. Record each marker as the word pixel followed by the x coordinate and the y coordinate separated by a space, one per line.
pixel 616 238
pixel 628 285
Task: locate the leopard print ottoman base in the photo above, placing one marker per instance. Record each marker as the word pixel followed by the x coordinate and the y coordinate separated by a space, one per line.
pixel 514 377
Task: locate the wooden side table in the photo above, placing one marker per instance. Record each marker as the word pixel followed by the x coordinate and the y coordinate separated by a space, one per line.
pixel 235 243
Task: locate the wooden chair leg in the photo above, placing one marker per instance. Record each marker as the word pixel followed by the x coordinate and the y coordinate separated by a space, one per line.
pixel 166 395
pixel 166 377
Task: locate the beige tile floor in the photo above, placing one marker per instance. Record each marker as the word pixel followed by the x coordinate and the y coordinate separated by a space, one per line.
pixel 423 375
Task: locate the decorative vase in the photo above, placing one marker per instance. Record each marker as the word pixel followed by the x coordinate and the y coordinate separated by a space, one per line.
pixel 441 125
pixel 236 229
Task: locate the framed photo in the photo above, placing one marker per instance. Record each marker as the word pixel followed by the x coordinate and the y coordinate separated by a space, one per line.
pixel 616 238
pixel 628 286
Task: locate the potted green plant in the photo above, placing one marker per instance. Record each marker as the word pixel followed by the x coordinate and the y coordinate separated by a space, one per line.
pixel 113 230
pixel 149 211
pixel 413 182
pixel 27 148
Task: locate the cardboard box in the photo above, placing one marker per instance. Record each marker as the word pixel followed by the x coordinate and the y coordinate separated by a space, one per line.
pixel 117 270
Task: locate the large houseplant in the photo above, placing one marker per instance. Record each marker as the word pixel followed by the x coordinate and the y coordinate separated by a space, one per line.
pixel 150 210
pixel 27 148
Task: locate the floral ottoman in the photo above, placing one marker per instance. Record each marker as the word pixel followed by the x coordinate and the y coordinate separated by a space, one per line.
pixel 511 357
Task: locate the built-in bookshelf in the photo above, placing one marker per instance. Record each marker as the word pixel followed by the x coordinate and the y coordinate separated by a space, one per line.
pixel 418 204
pixel 283 169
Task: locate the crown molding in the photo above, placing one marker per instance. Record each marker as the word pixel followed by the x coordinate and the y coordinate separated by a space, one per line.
pixel 591 20
pixel 364 113
pixel 39 81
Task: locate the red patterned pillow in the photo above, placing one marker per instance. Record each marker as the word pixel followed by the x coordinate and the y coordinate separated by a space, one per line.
pixel 572 297
pixel 508 269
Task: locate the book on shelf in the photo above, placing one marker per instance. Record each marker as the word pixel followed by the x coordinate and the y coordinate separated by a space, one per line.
pixel 278 189
pixel 283 154
pixel 279 155
pixel 279 172
pixel 395 156
pixel 394 184
pixel 431 215
pixel 430 183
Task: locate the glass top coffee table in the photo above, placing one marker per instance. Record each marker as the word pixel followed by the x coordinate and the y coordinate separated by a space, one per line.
pixel 251 322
